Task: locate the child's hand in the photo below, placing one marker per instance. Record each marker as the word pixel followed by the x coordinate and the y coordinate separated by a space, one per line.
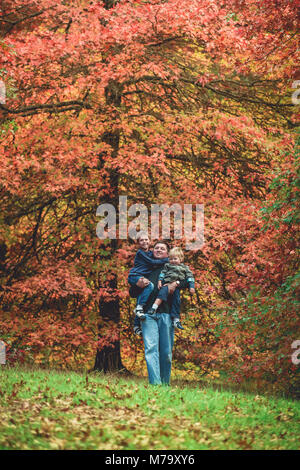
pixel 192 290
pixel 159 284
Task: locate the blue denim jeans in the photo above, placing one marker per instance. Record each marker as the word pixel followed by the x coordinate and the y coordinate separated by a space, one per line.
pixel 158 335
pixel 144 296
pixel 176 302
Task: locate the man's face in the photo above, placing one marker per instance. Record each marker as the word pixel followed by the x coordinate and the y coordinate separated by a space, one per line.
pixel 144 242
pixel 160 251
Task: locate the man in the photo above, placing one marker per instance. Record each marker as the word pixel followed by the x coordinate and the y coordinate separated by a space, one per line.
pixel 157 329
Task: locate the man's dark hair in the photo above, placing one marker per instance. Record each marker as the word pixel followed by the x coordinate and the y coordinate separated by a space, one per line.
pixel 163 242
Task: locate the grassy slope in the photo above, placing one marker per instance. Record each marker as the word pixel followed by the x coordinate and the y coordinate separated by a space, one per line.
pixel 60 410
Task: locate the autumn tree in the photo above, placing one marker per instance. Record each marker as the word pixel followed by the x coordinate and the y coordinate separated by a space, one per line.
pixel 139 98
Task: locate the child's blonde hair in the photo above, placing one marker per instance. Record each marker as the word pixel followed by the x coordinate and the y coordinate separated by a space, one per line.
pixel 177 252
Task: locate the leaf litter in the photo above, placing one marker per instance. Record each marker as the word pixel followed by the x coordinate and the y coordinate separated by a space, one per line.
pixel 116 416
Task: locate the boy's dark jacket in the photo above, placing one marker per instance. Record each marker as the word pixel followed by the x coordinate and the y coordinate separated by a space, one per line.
pixel 144 263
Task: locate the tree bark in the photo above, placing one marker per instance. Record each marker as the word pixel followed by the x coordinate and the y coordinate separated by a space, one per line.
pixel 108 358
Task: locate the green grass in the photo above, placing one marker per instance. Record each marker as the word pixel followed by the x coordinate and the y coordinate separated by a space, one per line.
pixel 42 409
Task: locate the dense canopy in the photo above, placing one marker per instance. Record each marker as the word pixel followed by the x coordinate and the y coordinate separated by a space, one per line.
pixel 164 104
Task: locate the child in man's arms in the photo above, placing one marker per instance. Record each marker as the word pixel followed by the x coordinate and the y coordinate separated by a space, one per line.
pixel 175 270
pixel 144 264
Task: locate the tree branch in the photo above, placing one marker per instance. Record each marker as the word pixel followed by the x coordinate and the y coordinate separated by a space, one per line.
pixel 47 108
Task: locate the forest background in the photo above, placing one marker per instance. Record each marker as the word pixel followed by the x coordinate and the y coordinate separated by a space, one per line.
pixel 163 103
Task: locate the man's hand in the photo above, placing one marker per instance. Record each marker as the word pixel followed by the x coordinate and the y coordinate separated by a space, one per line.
pixel 192 290
pixel 142 282
pixel 171 287
pixel 159 285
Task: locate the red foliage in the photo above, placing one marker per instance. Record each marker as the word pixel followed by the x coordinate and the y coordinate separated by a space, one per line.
pixel 156 101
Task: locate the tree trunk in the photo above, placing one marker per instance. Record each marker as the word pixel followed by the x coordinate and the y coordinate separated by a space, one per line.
pixel 108 358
